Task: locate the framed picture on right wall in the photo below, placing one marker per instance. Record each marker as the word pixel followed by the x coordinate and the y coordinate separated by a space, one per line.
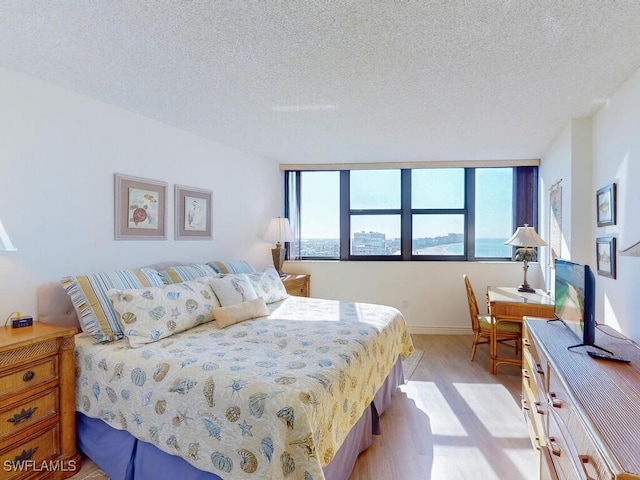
pixel 606 256
pixel 606 205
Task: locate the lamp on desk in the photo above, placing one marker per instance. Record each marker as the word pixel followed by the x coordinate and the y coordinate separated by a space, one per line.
pixel 5 241
pixel 279 230
pixel 526 239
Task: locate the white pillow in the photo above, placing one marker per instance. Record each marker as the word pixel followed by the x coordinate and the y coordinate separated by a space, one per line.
pixel 149 314
pixel 233 289
pixel 240 312
pixel 267 284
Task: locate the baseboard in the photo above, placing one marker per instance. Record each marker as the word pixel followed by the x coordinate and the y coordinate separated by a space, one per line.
pixel 440 330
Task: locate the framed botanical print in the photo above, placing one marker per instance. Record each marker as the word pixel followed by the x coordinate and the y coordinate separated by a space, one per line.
pixel 192 213
pixel 140 208
pixel 606 256
pixel 606 205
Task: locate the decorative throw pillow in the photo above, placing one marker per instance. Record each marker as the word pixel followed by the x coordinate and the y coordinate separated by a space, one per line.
pixel 184 273
pixel 240 312
pixel 237 266
pixel 267 284
pixel 89 296
pixel 149 314
pixel 233 289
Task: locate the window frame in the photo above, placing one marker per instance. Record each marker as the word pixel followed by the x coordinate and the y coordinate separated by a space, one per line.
pixel 525 210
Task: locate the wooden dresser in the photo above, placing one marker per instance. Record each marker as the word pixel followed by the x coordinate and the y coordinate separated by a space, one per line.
pixel 37 403
pixel 297 284
pixel 583 414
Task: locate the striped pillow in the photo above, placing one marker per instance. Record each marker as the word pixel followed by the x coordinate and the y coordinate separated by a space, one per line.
pixel 237 266
pixel 89 296
pixel 184 273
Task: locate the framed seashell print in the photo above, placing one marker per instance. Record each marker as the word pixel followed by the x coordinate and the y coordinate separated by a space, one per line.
pixel 192 213
pixel 140 208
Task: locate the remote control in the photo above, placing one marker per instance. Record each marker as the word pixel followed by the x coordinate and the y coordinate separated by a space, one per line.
pixel 608 357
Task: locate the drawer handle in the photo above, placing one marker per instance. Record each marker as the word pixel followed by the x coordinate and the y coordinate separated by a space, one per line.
pixel 539 410
pixel 555 449
pixel 25 455
pixel 23 415
pixel 584 461
pixel 554 401
pixel 525 373
pixel 526 342
pixel 525 405
pixel 28 376
pixel 539 369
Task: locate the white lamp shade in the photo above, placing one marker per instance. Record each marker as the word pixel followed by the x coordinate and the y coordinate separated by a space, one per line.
pixel 279 230
pixel 5 241
pixel 525 237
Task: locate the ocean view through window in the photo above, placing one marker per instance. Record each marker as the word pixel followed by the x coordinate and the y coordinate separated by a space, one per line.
pixel 404 214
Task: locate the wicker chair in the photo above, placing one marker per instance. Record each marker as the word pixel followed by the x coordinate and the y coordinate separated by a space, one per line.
pixel 481 324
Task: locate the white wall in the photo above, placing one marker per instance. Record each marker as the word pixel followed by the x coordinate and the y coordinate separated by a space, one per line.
pixel 58 155
pixel 616 151
pixel 589 154
pixel 430 295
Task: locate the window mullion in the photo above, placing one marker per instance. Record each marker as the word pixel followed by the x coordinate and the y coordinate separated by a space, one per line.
pixel 470 217
pixel 345 218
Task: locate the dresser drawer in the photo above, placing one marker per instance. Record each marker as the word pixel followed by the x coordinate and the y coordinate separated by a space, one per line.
pixel 586 454
pixel 18 417
pixel 30 454
pixel 564 459
pixel 27 377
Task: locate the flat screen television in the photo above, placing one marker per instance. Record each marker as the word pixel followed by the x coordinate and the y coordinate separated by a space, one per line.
pixel 575 293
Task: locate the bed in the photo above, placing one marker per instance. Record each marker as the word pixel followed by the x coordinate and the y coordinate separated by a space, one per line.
pixel 295 394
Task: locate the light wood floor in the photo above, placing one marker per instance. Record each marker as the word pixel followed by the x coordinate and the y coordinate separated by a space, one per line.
pixel 452 420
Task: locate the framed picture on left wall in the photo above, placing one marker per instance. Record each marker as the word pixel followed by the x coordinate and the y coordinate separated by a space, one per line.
pixel 192 213
pixel 140 208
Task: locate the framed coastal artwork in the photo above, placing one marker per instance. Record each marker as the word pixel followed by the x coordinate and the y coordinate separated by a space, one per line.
pixel 192 213
pixel 606 205
pixel 606 256
pixel 140 208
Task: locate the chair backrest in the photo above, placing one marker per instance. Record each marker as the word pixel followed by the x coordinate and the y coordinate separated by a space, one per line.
pixel 473 304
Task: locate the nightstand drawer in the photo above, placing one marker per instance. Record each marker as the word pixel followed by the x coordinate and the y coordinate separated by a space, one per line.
pixel 29 455
pixel 28 376
pixel 297 285
pixel 20 416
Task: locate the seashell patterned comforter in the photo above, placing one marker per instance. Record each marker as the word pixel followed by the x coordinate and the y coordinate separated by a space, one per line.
pixel 273 397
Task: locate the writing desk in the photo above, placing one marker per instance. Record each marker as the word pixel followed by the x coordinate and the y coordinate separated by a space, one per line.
pixel 507 304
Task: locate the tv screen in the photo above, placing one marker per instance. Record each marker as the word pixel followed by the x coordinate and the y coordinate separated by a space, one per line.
pixel 575 298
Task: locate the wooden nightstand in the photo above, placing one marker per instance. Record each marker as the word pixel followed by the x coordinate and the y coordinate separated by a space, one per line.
pixel 297 285
pixel 37 403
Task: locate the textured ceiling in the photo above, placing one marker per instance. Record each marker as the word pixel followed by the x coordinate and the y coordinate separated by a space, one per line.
pixel 338 81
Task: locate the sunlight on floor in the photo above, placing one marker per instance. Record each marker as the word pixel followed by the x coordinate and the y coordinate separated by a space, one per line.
pixel 523 459
pixel 444 420
pixel 467 459
pixel 494 406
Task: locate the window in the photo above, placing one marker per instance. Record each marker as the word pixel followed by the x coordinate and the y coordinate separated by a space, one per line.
pixel 462 213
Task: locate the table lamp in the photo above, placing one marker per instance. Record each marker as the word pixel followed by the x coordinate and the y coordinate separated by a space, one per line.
pixel 5 241
pixel 279 230
pixel 526 239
